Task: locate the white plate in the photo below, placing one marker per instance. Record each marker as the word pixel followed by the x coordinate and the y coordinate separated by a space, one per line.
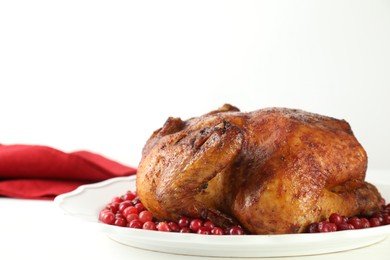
pixel 86 202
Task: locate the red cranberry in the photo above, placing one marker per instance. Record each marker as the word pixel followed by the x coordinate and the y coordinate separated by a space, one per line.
pixel 129 210
pixel 129 196
pixel 386 219
pixel 145 216
pixel 136 200
pixel 364 223
pixel 163 226
pixel 356 223
pixel 119 215
pixel 135 223
pixel 116 199
pixel 123 205
pixel 140 207
pixel 149 225
pixel 119 221
pixel 131 217
pixel 375 222
pixel 216 231
pixel 184 222
pixel 336 218
pixel 208 225
pixel 345 226
pixel 325 226
pixel 185 230
pixel 236 230
pixel 195 224
pixel 203 231
pixel 107 217
pixel 313 228
pixel 113 206
pixel 174 227
pixel 378 216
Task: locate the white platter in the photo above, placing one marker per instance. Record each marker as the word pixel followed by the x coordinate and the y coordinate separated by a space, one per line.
pixel 86 202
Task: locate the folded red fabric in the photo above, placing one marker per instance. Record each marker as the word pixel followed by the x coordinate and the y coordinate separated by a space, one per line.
pixel 42 172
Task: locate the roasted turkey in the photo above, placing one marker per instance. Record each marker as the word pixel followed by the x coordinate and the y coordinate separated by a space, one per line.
pixel 272 171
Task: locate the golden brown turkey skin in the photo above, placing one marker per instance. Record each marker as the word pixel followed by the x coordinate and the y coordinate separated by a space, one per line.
pixel 273 170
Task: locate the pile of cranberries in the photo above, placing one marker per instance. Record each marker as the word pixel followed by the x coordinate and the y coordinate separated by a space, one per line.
pixel 128 211
pixel 336 222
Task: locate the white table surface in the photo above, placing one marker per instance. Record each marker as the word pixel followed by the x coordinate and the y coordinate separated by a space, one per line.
pixel 33 229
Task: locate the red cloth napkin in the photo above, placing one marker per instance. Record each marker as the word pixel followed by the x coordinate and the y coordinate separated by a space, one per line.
pixel 41 172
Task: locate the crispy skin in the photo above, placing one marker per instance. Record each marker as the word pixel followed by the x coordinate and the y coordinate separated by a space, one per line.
pixel 273 170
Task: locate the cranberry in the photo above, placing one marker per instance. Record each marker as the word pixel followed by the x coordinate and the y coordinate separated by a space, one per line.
pixel 313 228
pixel 135 223
pixel 364 223
pixel 386 219
pixel 163 226
pixel 119 221
pixel 345 226
pixel 107 217
pixel 209 225
pixel 236 230
pixel 203 231
pixel 216 231
pixel 131 217
pixel 325 226
pixel 129 196
pixel 116 199
pixel 136 200
pixel 356 223
pixel 336 218
pixel 145 216
pixel 149 225
pixel 123 205
pixel 139 206
pixel 113 206
pixel 184 222
pixel 333 227
pixel 174 227
pixel 378 216
pixel 344 223
pixel 119 215
pixel 375 222
pixel 195 224
pixel 129 210
pixel 185 230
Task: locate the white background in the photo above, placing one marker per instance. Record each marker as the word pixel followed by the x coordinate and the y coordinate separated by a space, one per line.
pixel 103 75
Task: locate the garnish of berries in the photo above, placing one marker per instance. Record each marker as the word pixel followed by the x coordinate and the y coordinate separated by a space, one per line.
pixel 336 222
pixel 128 211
